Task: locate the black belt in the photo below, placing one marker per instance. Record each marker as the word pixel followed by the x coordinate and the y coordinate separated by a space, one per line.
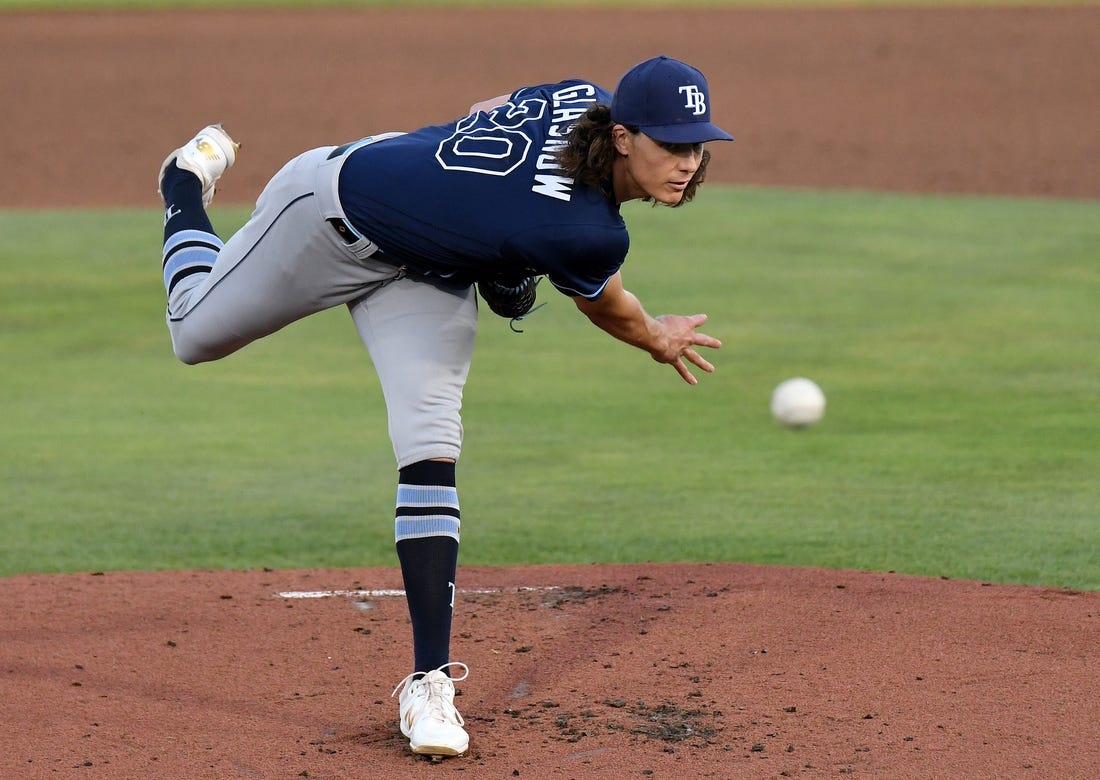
pixel 348 235
pixel 344 229
pixel 339 150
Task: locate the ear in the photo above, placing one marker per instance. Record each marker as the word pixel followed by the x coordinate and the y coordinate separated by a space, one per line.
pixel 623 139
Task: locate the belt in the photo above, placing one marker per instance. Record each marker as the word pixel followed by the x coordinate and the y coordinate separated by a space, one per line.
pixel 343 228
pixel 349 235
pixel 339 150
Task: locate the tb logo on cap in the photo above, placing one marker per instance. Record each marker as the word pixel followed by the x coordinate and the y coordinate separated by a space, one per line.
pixel 696 99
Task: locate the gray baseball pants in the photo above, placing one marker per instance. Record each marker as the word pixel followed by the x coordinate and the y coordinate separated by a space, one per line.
pixel 288 262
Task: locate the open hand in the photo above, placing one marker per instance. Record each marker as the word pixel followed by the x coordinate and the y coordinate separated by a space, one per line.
pixel 680 342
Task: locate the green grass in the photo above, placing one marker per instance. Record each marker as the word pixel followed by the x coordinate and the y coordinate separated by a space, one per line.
pixel 954 337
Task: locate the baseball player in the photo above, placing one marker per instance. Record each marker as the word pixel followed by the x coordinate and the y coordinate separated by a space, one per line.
pixel 405 229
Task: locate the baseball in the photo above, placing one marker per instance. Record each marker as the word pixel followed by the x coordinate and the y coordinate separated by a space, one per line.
pixel 798 402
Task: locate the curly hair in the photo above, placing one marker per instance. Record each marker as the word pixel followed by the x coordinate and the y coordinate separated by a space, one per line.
pixel 589 151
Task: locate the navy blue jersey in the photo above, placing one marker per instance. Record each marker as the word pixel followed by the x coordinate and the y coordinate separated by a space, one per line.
pixel 483 195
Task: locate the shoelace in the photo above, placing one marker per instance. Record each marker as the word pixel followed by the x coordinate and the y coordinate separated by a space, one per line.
pixel 434 699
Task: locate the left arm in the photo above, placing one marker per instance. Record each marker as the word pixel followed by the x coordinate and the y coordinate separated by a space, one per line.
pixel 490 104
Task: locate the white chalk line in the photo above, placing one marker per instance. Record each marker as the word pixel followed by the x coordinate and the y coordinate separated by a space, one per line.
pixel 390 592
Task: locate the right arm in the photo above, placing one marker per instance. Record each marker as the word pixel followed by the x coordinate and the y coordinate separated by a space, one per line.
pixel 668 339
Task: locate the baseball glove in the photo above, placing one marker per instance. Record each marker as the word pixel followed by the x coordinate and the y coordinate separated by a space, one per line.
pixel 509 298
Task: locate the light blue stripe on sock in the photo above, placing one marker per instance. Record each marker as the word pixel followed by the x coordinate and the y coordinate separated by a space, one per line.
pixel 202 255
pixel 184 236
pixel 186 258
pixel 417 527
pixel 427 495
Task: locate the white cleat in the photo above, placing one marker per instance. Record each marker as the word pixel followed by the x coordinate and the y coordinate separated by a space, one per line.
pixel 428 715
pixel 208 155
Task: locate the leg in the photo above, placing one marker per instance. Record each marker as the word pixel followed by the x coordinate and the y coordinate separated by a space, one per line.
pixel 426 528
pixel 284 264
pixel 421 338
pixel 186 181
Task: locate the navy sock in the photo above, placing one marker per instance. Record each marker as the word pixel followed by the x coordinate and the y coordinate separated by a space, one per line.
pixel 190 244
pixel 183 209
pixel 426 528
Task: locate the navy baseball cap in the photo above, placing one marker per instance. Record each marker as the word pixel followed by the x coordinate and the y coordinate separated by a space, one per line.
pixel 668 100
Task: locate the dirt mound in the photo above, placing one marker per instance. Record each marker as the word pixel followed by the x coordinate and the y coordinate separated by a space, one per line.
pixel 675 671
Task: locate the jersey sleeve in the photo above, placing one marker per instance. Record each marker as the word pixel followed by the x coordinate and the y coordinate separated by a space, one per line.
pixel 577 261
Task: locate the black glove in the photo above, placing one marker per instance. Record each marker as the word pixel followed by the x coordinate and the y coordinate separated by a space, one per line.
pixel 509 298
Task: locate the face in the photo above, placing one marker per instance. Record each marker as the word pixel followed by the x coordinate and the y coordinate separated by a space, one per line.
pixel 648 168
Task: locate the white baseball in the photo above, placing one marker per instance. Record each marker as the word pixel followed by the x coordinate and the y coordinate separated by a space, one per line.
pixel 798 402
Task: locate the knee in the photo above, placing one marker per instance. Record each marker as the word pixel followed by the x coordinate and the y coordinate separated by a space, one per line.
pixel 192 353
pixel 186 357
pixel 189 360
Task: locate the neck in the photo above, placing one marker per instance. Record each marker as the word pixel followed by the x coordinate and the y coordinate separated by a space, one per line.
pixel 622 186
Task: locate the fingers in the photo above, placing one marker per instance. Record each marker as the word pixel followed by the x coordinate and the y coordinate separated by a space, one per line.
pixel 687 376
pixel 699 360
pixel 703 340
pixel 696 359
pixel 691 339
pixel 690 323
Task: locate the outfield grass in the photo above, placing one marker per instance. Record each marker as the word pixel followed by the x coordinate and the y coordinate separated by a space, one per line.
pixel 954 337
